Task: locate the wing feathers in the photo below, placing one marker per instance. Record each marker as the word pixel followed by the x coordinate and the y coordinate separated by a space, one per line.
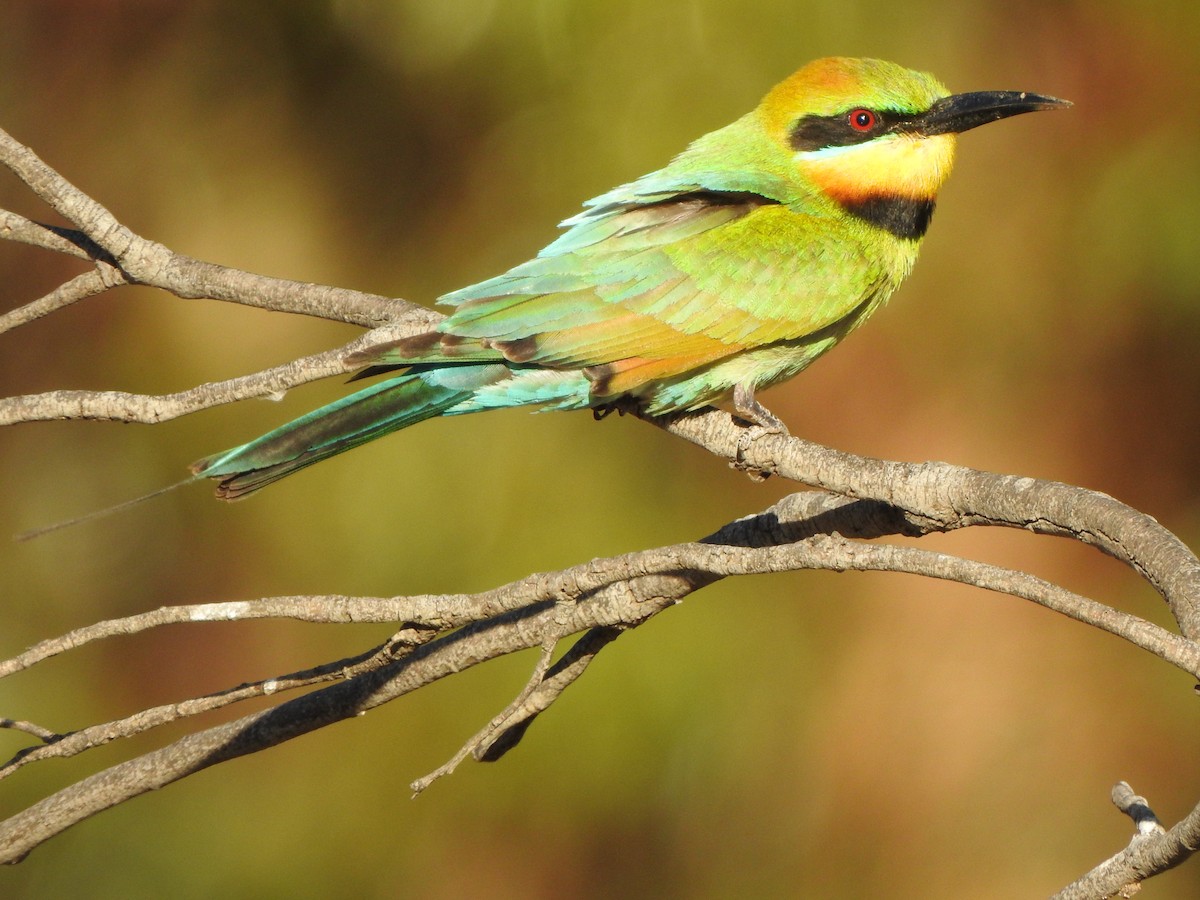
pixel 644 292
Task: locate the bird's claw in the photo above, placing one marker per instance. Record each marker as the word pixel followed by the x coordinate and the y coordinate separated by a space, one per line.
pixel 745 439
pixel 749 410
pixel 753 416
pixel 620 406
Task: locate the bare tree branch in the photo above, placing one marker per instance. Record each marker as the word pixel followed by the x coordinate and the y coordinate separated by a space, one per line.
pixel 67 241
pixel 149 263
pixel 501 722
pixel 857 499
pixel 941 497
pixel 1152 850
pixel 89 284
pixel 599 596
pixel 42 734
pixel 520 715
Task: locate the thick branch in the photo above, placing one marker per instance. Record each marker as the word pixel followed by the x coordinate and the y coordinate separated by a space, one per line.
pixel 943 497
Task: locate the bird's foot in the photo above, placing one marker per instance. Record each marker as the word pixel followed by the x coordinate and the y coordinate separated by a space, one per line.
pixel 753 414
pixel 750 411
pixel 620 406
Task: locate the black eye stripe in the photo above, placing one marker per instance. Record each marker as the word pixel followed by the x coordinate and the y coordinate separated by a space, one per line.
pixel 818 132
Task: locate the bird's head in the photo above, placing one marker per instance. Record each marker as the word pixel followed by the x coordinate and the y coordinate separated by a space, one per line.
pixel 865 131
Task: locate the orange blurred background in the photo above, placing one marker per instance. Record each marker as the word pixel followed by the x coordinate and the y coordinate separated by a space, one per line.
pixel 853 736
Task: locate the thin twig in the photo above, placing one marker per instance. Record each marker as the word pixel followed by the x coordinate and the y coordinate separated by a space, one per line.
pixel 497 723
pixel 42 734
pixel 97 735
pixel 14 227
pixel 1178 651
pixel 88 284
pixel 145 409
pixel 148 409
pixel 561 675
pixel 59 746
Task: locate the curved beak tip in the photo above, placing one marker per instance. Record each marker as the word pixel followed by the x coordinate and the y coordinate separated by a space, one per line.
pixel 1044 101
pixel 962 112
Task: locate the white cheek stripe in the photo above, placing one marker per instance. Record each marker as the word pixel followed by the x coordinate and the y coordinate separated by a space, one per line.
pixel 830 152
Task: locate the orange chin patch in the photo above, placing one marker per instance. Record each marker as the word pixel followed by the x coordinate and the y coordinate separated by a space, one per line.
pixel 905 166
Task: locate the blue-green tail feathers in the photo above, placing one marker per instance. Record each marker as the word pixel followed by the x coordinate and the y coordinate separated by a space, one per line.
pixel 424 392
pixel 332 429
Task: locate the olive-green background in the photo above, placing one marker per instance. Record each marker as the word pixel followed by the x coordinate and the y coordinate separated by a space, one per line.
pixel 807 734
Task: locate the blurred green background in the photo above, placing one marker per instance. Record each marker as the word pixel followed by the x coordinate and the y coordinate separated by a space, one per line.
pixel 806 734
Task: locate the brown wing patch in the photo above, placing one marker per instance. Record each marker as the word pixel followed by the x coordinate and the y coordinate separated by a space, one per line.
pixel 625 376
pixel 519 351
pixel 432 346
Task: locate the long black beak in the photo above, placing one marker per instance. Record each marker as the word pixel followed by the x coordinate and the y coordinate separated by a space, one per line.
pixel 962 112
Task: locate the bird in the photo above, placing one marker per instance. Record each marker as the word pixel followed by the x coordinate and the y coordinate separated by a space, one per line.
pixel 750 254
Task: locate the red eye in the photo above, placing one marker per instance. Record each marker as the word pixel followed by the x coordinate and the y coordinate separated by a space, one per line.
pixel 862 119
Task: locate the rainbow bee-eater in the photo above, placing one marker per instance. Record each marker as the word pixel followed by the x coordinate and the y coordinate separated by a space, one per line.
pixel 754 251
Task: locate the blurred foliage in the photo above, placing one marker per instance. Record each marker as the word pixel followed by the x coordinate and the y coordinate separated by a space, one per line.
pixel 836 736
